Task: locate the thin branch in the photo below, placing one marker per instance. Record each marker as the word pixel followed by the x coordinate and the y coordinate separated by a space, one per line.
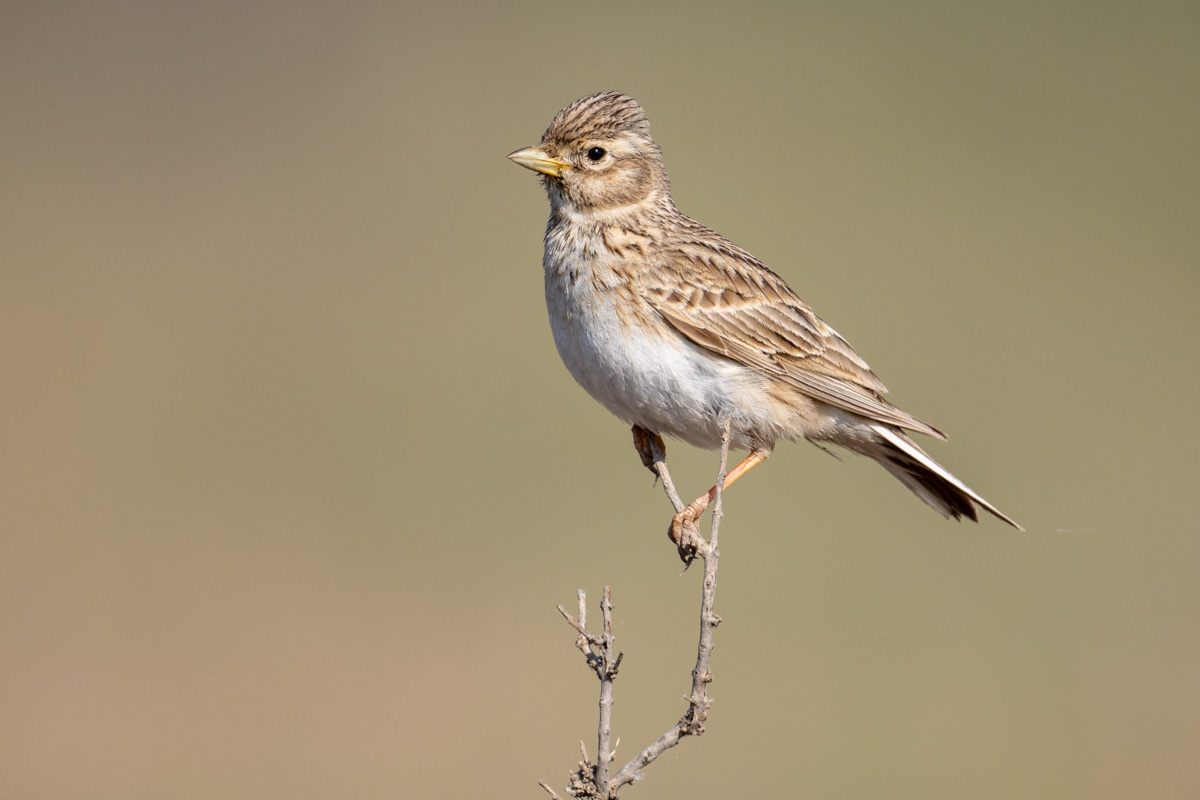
pixel 604 736
pixel 659 464
pixel 692 723
pixel 592 780
pixel 653 452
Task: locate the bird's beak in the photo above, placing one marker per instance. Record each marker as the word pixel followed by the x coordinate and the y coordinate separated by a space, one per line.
pixel 537 160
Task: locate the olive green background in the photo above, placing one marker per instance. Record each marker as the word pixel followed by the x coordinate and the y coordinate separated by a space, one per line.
pixel 291 477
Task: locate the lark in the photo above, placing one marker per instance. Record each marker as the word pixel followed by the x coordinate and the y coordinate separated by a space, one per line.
pixel 676 330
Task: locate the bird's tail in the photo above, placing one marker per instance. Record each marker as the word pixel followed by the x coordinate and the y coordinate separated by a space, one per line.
pixel 927 479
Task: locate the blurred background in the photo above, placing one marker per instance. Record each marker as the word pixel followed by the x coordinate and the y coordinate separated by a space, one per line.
pixel 291 477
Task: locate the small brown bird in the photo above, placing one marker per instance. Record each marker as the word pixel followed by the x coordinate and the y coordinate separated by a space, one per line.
pixel 675 329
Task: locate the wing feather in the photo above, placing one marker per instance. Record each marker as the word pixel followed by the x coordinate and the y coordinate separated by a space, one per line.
pixel 754 318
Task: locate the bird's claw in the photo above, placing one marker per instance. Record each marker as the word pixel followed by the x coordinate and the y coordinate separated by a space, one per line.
pixel 684 532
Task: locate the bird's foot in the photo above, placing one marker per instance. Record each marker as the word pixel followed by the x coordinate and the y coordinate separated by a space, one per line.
pixel 685 533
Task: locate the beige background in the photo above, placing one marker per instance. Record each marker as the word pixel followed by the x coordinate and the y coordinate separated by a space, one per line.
pixel 291 477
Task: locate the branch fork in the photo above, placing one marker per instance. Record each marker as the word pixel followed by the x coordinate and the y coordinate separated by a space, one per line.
pixel 595 780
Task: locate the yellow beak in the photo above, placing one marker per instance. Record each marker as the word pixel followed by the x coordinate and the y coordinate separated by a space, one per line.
pixel 537 160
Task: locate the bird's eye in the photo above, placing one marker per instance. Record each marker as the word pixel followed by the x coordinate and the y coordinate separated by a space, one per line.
pixel 596 153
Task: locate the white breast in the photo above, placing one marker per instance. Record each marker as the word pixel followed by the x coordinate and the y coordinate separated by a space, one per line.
pixel 646 375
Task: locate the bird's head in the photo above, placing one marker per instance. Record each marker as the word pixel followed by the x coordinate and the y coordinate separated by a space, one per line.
pixel 597 155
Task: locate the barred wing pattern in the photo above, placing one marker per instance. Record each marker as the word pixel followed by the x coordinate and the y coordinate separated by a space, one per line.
pixel 726 301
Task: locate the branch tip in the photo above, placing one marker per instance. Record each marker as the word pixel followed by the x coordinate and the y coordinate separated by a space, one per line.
pixel 593 780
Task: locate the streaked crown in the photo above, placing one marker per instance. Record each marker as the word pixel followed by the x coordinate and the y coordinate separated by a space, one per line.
pixel 599 116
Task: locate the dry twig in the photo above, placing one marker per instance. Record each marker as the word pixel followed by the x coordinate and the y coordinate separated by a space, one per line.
pixel 593 780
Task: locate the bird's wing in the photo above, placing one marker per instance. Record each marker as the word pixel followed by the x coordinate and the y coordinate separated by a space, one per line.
pixel 724 300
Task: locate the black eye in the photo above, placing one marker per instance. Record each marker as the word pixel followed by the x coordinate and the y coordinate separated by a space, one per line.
pixel 596 153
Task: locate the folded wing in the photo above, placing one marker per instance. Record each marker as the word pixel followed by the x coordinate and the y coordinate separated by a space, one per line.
pixel 733 305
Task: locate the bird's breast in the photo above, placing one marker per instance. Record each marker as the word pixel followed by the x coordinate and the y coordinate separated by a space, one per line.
pixel 619 349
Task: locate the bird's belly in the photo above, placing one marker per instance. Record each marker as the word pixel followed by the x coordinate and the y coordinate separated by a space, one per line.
pixel 647 374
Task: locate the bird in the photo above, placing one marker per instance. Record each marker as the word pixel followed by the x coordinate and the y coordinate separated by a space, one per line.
pixel 678 331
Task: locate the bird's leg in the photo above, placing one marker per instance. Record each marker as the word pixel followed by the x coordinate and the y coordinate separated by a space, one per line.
pixel 683 524
pixel 650 447
pixel 654 457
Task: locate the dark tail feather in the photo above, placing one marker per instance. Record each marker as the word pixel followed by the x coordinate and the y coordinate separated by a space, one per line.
pixel 928 479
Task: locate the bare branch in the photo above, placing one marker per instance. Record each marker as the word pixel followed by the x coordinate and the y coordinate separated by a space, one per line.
pixel 604 736
pixel 571 621
pixel 653 452
pixel 692 723
pixel 593 780
pixel 659 454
